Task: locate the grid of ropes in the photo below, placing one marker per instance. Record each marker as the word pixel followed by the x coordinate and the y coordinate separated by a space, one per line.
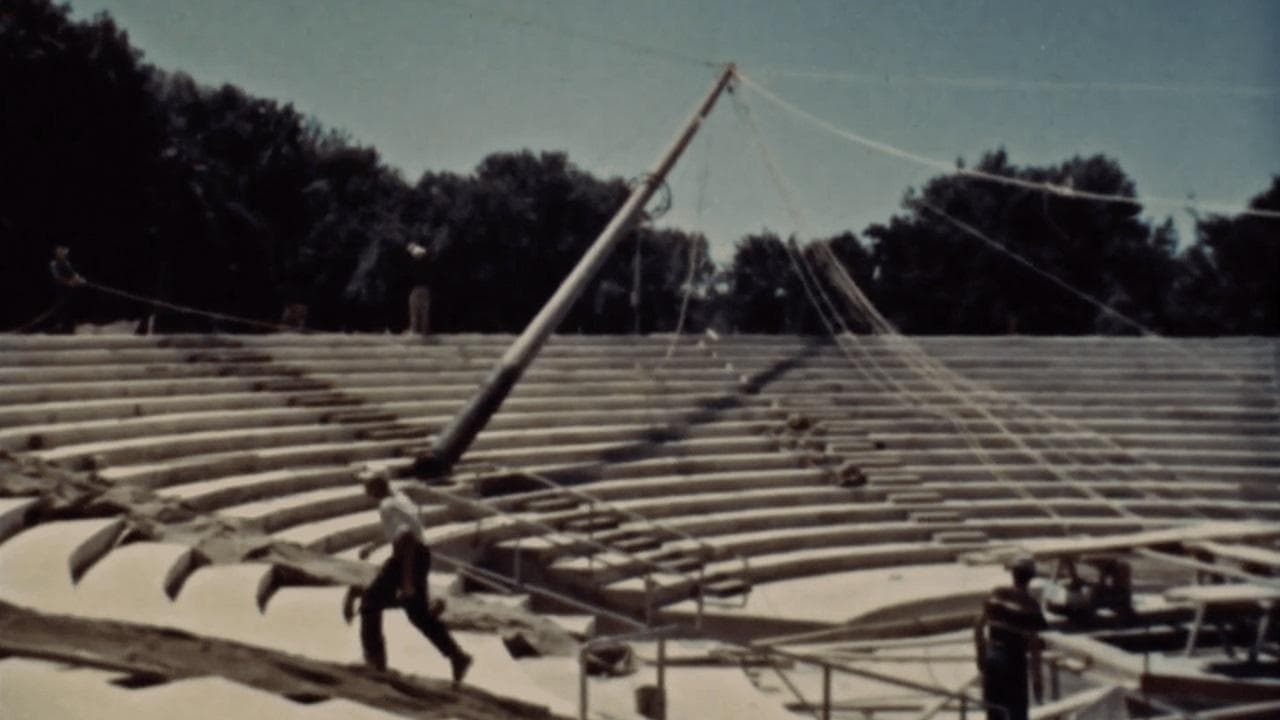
pixel 942 378
pixel 861 307
pixel 190 310
pixel 859 358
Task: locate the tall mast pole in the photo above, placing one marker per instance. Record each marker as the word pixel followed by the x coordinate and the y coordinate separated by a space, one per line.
pixel 458 435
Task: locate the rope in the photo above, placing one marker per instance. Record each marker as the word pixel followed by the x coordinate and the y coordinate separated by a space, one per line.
pixel 695 253
pixel 797 217
pixel 964 390
pixel 1107 309
pixel 942 378
pixel 695 257
pixel 33 322
pixel 948 381
pixel 876 321
pixel 637 286
pixel 500 579
pixel 993 83
pixel 554 536
pixel 707 548
pixel 189 310
pixel 941 165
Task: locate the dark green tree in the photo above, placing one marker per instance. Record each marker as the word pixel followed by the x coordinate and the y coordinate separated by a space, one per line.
pixel 1229 279
pixel 766 293
pixel 350 266
pixel 232 211
pixel 933 277
pixel 80 138
pixel 508 235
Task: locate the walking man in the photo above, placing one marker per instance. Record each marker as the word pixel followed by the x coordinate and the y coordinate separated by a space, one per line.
pixel 402 580
pixel 1005 635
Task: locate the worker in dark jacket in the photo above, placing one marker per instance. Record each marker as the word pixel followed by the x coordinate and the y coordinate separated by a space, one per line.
pixel 61 316
pixel 1005 637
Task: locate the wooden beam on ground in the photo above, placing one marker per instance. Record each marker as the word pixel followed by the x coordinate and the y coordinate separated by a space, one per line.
pixel 166 653
pixel 927 625
pixel 1247 711
pixel 1071 704
pixel 1245 554
pixel 1193 564
pixel 1108 660
pixel 1074 547
pixel 1132 671
pixel 1234 595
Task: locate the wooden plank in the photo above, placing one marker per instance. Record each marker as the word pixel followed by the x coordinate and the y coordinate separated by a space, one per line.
pixel 15 513
pixel 1113 661
pixel 1071 704
pixel 1222 570
pixel 1162 677
pixel 1073 547
pixel 95 547
pixel 1231 593
pixel 1241 553
pixel 1250 711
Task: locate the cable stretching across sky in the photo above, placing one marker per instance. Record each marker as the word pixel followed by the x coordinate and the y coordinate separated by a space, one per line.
pixel 977 83
pixel 992 83
pixel 1062 190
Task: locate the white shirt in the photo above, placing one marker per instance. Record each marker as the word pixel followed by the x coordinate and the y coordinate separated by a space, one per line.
pixel 399 516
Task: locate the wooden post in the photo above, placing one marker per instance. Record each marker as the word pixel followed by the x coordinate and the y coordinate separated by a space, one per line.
pixel 462 430
pixel 582 681
pixel 662 677
pixel 826 692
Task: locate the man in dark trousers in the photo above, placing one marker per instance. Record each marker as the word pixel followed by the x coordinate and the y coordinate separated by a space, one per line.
pixel 402 580
pixel 1004 637
pixel 420 294
pixel 67 284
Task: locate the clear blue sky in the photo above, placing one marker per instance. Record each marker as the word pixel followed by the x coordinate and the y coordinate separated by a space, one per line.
pixel 1185 94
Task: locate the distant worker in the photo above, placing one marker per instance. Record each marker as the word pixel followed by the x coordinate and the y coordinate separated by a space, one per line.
pixel 1069 595
pixel 1114 590
pixel 402 580
pixel 61 316
pixel 1004 636
pixel 1079 600
pixel 420 295
pixel 60 268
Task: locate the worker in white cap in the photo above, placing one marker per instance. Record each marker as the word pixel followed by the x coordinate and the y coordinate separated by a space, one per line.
pixel 402 579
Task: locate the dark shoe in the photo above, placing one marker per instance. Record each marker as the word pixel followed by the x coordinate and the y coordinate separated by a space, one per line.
pixel 461 663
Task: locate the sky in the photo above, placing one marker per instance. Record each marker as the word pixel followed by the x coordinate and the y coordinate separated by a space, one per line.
pixel 1184 94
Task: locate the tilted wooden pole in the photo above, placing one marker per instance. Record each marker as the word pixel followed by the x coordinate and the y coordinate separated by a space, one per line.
pixel 458 435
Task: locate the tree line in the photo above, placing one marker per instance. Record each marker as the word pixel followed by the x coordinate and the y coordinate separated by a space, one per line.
pixel 212 198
